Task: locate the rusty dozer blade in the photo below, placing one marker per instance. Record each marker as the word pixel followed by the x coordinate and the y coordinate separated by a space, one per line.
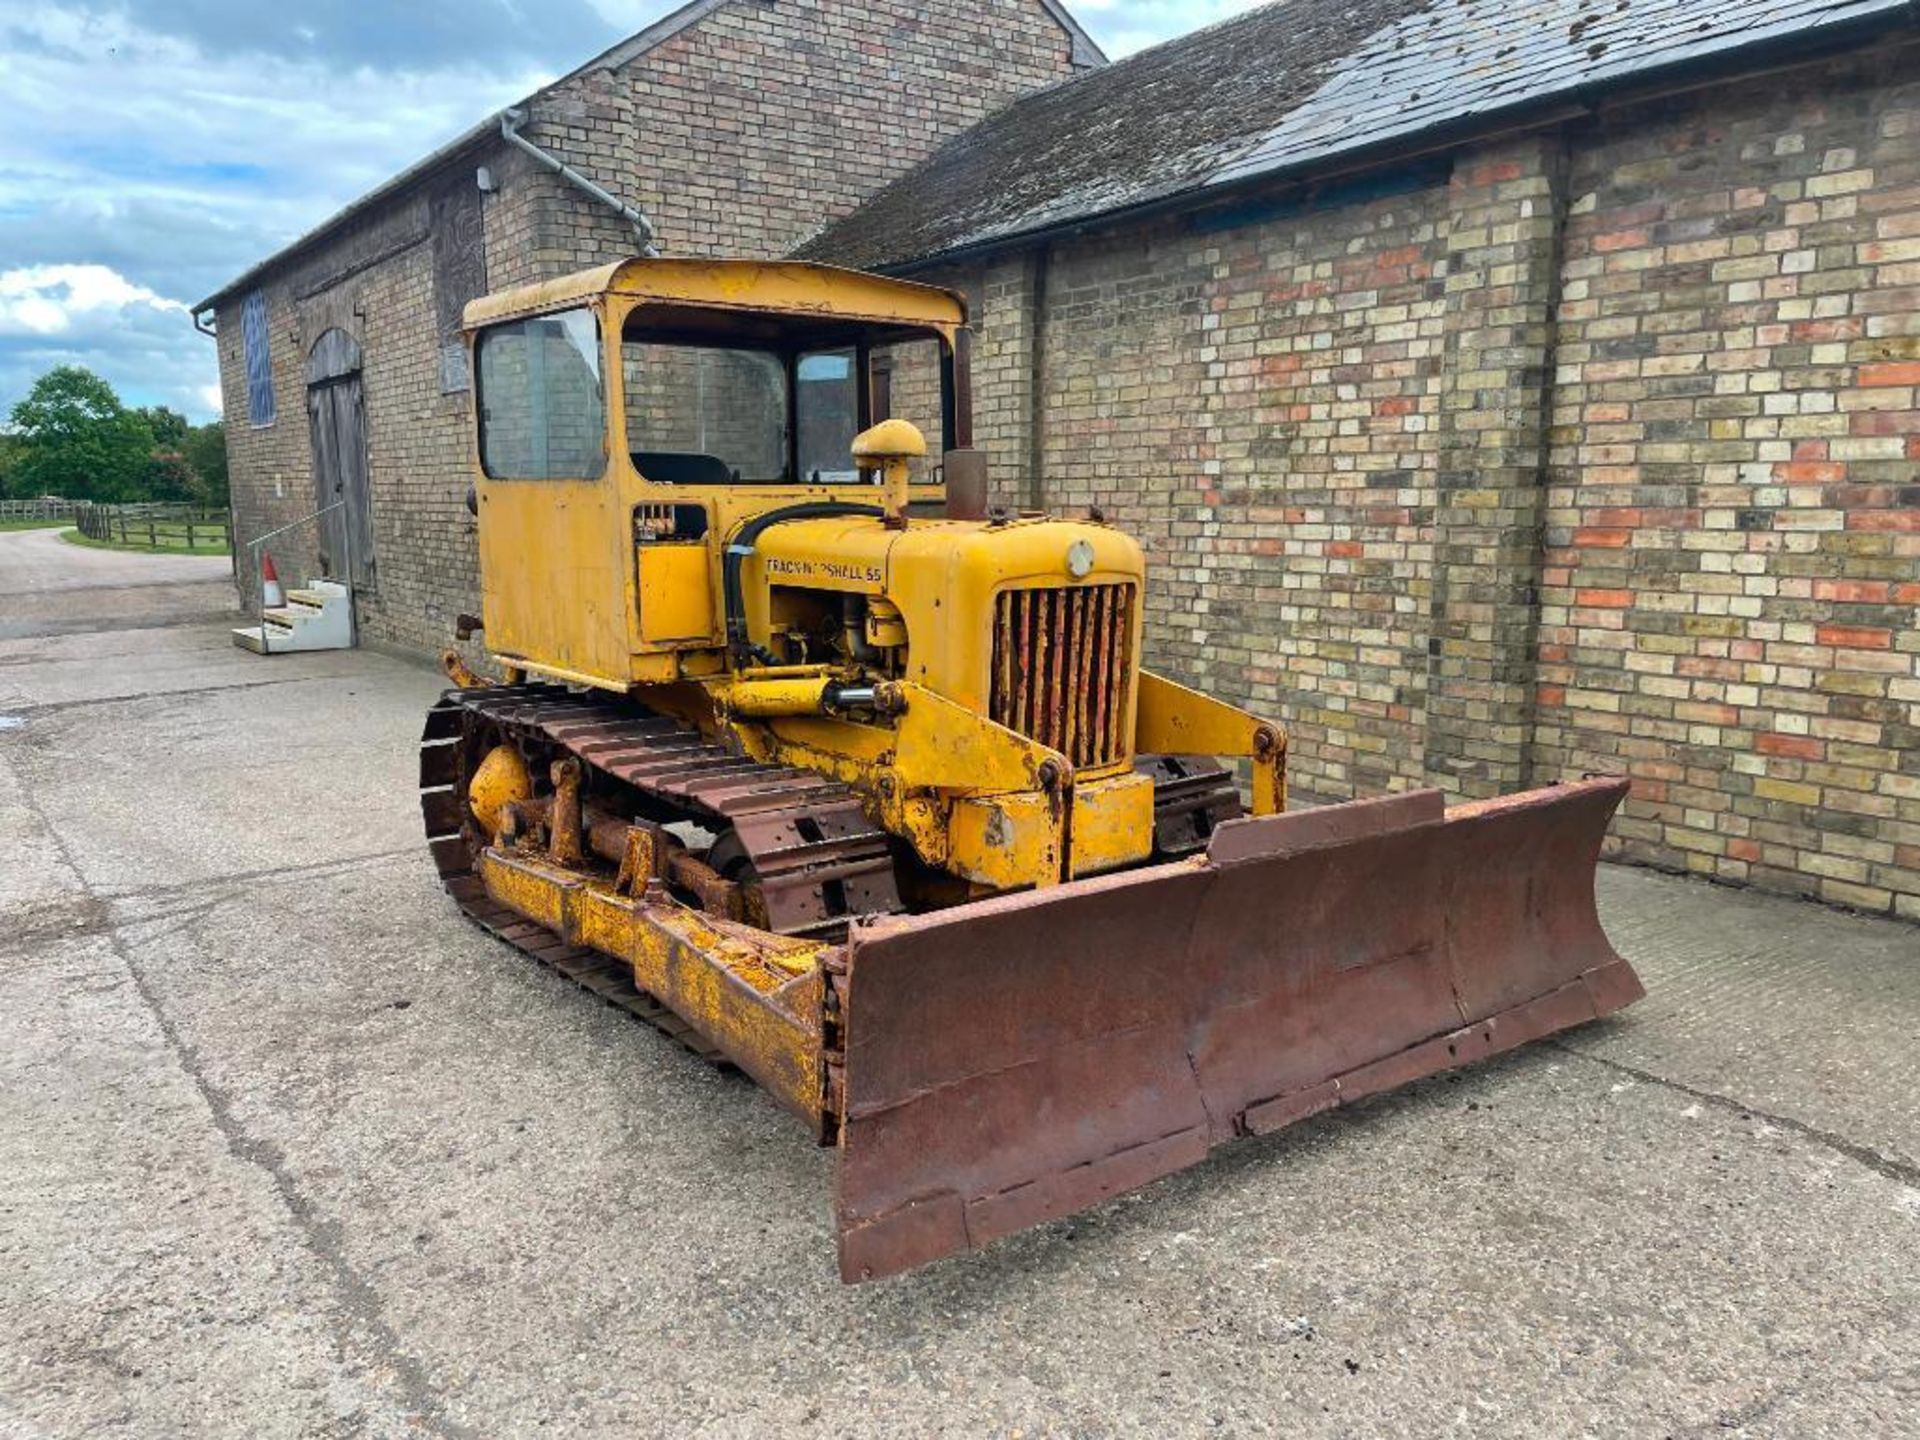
pixel 1022 1058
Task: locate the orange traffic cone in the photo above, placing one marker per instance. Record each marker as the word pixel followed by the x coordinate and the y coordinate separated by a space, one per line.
pixel 272 597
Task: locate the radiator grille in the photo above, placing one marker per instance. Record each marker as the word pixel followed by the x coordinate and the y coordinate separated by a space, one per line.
pixel 653 522
pixel 1062 667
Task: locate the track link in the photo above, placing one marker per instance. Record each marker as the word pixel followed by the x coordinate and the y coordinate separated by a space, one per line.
pixel 1192 796
pixel 818 860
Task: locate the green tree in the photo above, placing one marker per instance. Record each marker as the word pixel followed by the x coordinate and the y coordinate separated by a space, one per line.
pixel 169 477
pixel 78 441
pixel 169 427
pixel 9 464
pixel 206 450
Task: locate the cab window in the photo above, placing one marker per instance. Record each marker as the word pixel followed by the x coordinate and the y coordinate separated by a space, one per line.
pixel 541 401
pixel 705 415
pixel 909 384
pixel 827 403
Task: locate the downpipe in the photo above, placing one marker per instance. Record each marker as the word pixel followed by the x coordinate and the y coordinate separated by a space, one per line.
pixel 512 120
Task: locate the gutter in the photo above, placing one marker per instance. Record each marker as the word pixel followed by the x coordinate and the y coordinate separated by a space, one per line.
pixel 512 120
pixel 505 123
pixel 445 155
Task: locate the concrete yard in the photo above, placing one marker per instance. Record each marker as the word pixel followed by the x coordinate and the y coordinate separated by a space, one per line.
pixel 288 1148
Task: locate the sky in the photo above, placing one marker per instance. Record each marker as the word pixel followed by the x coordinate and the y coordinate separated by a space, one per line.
pixel 155 149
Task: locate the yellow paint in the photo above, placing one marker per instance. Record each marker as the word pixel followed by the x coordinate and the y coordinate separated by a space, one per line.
pixel 1177 721
pixel 783 695
pixel 1007 841
pixel 1112 824
pixel 886 626
pixel 942 578
pixel 756 996
pixel 676 595
pixel 1010 841
pixel 570 596
pixel 500 780
pixel 556 590
pixel 890 447
pixel 784 287
pixel 949 747
pixel 560 585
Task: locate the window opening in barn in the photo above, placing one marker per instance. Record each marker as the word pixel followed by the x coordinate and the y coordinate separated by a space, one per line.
pixel 259 355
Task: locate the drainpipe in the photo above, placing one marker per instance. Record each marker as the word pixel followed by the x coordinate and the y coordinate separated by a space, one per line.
pixel 510 123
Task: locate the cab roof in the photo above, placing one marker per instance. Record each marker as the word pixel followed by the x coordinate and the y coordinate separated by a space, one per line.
pixel 780 286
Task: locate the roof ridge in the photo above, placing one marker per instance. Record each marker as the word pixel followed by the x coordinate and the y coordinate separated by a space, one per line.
pixel 644 41
pixel 1297 87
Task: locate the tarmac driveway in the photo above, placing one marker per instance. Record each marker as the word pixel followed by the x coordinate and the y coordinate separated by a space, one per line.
pixel 49 586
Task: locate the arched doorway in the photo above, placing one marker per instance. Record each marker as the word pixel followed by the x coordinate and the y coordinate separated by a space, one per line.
pixel 337 424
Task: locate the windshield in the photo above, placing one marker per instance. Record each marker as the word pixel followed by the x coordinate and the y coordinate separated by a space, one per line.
pixel 759 413
pixel 827 396
pixel 702 415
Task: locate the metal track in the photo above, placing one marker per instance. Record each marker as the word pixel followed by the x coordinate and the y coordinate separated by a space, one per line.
pixel 1192 794
pixel 818 860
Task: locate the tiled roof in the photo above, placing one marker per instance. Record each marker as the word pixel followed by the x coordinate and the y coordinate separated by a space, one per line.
pixel 1289 88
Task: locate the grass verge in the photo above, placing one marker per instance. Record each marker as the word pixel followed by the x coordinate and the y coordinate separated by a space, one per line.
pixel 170 541
pixel 6 525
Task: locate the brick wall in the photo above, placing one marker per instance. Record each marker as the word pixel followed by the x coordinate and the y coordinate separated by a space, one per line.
pixel 749 131
pixel 1256 403
pixel 1593 450
pixel 376 283
pixel 1734 509
pixel 1324 330
pixel 740 136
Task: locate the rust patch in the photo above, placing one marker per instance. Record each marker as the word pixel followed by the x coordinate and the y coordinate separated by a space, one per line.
pixel 1118 1028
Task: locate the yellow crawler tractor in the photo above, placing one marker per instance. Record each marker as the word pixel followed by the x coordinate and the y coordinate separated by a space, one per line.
pixel 806 755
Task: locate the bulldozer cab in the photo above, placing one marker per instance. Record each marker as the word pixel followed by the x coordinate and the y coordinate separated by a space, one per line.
pixel 629 418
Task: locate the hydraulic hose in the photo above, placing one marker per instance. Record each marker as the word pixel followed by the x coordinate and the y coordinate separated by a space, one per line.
pixel 742 545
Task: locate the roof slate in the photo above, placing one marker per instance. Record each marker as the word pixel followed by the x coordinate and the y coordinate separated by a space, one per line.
pixel 1286 88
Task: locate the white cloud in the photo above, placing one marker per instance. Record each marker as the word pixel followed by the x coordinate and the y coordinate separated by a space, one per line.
pixel 46 299
pixel 153 151
pixel 179 170
pixel 140 341
pixel 1124 26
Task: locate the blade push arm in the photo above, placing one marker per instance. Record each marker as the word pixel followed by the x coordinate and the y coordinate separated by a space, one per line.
pixel 1177 721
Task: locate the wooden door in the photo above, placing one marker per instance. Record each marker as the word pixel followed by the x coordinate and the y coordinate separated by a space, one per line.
pixel 337 424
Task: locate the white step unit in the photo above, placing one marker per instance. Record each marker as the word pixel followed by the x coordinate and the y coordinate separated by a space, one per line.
pixel 318 616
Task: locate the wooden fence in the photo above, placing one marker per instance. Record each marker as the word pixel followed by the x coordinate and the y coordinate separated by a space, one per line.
pixel 156 525
pixel 42 509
